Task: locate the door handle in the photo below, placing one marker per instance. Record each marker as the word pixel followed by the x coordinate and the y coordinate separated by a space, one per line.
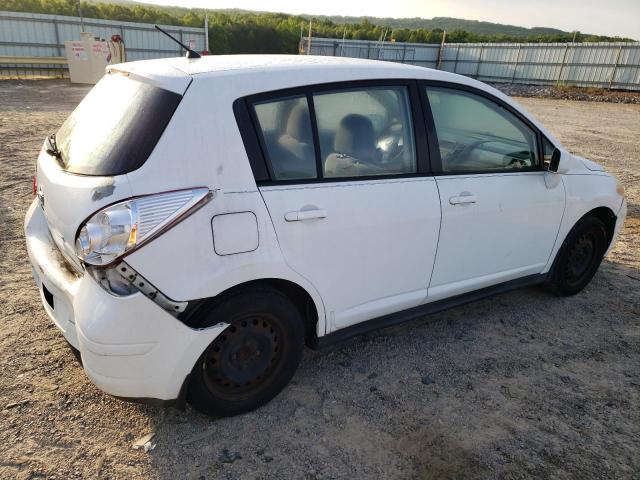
pixel 464 198
pixel 304 215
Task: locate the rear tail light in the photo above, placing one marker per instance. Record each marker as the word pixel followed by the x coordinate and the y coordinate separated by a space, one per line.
pixel 35 181
pixel 121 228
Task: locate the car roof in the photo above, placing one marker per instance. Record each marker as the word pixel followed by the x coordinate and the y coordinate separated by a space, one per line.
pixel 256 73
pixel 218 64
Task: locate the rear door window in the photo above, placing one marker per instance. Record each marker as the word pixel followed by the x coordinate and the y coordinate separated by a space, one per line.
pixel 285 125
pixel 115 127
pixel 360 132
pixel 365 132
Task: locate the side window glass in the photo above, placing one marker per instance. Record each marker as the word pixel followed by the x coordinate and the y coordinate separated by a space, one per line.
pixel 547 151
pixel 286 131
pixel 476 134
pixel 365 132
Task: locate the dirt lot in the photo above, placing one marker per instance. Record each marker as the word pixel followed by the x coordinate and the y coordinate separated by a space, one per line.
pixel 520 385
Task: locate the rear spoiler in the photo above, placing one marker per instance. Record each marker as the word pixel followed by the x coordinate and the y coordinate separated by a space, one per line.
pixel 154 72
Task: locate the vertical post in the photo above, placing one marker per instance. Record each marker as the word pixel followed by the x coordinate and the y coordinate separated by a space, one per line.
pixel 455 64
pixel 344 34
pixel 55 28
pixel 81 19
pixel 404 52
pixel 441 51
pixel 564 60
pixel 479 61
pixel 515 65
pixel 382 43
pixel 206 32
pixel 615 67
pixel 124 53
pixel 309 42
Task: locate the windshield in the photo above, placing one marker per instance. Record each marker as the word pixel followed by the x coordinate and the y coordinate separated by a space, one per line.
pixel 115 127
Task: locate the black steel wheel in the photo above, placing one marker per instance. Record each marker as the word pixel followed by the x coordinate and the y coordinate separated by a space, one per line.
pixel 253 358
pixel 578 258
pixel 243 357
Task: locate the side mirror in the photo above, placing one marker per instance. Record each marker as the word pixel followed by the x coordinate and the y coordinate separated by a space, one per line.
pixel 554 164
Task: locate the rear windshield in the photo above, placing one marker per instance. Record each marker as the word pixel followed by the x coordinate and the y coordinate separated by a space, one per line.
pixel 115 127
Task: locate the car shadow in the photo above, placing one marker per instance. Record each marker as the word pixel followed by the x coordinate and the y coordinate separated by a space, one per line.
pixel 476 389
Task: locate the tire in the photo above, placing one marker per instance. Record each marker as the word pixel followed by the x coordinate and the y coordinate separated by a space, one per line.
pixel 253 359
pixel 578 258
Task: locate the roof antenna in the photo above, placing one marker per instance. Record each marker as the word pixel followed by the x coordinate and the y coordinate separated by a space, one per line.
pixel 190 53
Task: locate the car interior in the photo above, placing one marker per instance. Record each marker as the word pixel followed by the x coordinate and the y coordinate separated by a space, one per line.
pixel 377 140
pixel 367 132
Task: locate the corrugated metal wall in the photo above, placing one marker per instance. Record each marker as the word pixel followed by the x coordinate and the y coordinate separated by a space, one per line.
pixel 607 65
pixel 38 35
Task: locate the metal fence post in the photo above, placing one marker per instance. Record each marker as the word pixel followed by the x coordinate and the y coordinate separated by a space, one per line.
pixel 615 67
pixel 515 65
pixel 441 50
pixel 479 61
pixel 564 60
pixel 55 28
pixel 455 64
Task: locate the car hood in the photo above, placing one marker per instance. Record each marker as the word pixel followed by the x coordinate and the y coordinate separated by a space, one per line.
pixel 590 165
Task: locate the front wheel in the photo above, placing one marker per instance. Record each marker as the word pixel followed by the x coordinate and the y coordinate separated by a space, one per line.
pixel 251 361
pixel 578 258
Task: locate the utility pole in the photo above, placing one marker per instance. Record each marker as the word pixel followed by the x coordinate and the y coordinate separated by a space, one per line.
pixel 309 41
pixel 80 15
pixel 206 32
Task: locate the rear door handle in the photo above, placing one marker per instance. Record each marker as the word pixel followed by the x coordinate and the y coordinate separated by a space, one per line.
pixel 463 199
pixel 304 215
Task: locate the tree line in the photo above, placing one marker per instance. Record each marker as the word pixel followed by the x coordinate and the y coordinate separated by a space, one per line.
pixel 235 31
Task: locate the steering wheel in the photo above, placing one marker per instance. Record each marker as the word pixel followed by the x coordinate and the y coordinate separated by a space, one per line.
pixel 389 141
pixel 457 156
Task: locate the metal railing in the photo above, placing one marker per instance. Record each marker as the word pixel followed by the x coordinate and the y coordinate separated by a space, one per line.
pixel 38 36
pixel 604 65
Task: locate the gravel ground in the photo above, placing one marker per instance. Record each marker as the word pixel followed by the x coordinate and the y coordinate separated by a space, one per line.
pixel 521 385
pixel 569 93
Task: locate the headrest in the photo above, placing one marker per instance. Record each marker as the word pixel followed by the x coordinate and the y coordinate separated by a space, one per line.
pixel 299 125
pixel 355 137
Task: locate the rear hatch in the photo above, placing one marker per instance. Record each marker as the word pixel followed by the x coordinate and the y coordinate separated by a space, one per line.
pixel 112 132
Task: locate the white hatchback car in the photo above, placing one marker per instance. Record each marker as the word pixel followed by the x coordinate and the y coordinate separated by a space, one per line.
pixel 198 220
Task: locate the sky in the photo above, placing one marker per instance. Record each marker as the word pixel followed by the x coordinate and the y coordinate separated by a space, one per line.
pixel 604 17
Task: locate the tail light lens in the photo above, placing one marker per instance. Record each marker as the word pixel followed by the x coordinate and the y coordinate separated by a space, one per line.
pixel 121 228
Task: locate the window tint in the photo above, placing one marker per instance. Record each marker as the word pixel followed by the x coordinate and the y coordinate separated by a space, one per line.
pixel 115 127
pixel 476 134
pixel 288 138
pixel 365 132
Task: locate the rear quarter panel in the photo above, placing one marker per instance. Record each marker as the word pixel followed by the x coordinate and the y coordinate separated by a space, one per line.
pixel 202 147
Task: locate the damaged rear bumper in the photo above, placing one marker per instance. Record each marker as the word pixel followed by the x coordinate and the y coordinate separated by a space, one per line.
pixel 130 346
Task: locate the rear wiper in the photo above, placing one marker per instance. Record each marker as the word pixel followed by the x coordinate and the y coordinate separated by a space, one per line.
pixel 52 146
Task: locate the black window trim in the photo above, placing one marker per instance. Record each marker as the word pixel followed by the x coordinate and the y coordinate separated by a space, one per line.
pixel 436 161
pixel 255 147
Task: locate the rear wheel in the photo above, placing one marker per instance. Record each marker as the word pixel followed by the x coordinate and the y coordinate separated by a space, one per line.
pixel 579 257
pixel 253 359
